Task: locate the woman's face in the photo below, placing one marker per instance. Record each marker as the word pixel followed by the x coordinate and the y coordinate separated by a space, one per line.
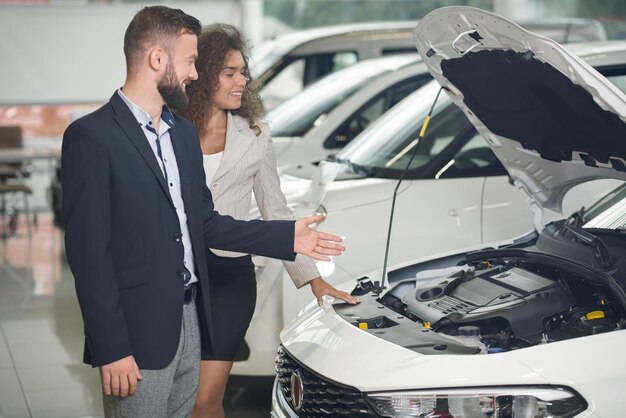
pixel 231 82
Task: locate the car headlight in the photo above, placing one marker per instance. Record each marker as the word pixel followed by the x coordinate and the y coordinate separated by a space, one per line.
pixel 516 402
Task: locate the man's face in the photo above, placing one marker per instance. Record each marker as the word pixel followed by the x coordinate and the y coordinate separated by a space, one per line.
pixel 179 72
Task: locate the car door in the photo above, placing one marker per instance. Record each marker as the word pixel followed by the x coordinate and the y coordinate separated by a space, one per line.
pixel 504 212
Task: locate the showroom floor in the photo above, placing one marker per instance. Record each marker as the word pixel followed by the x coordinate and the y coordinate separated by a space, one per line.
pixel 41 339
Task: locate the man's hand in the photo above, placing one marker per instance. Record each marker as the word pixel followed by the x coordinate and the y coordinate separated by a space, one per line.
pixel 317 245
pixel 120 377
pixel 321 287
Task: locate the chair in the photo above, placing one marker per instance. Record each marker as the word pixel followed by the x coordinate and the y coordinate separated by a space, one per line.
pixel 12 185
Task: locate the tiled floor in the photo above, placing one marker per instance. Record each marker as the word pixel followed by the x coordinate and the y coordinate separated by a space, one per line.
pixel 41 374
pixel 41 338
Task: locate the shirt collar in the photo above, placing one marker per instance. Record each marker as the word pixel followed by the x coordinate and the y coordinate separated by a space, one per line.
pixel 144 117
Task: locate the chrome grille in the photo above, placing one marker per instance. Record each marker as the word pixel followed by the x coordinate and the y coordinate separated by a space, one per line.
pixel 448 305
pixel 321 398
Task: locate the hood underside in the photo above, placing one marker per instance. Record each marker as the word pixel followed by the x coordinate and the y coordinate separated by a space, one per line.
pixel 552 120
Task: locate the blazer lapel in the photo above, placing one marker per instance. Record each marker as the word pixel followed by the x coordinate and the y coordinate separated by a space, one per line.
pixel 239 137
pixel 126 120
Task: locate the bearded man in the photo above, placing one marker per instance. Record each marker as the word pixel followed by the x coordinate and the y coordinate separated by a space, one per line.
pixel 138 221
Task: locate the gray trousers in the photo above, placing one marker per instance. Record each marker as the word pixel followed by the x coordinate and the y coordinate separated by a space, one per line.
pixel 168 392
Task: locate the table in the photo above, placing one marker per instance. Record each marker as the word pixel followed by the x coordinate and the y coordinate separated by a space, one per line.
pixel 18 155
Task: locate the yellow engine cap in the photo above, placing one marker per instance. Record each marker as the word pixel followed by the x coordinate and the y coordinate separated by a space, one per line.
pixel 363 325
pixel 594 315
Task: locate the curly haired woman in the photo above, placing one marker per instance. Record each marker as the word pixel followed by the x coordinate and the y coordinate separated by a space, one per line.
pixel 239 158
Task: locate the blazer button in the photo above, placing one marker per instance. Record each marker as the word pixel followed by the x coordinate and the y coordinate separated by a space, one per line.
pixel 177 237
pixel 214 186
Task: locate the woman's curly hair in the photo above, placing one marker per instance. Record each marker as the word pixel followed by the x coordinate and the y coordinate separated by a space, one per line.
pixel 214 43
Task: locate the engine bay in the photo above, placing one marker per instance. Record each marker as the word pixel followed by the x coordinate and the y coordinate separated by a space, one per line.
pixel 488 305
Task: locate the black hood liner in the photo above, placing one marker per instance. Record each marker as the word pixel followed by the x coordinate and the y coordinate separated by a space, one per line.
pixel 521 98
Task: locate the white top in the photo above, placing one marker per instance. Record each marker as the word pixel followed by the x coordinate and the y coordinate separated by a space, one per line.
pixel 211 163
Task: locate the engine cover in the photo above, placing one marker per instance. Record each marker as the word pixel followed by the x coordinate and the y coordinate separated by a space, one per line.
pixel 521 297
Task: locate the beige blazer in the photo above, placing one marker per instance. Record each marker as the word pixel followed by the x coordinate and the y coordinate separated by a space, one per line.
pixel 249 164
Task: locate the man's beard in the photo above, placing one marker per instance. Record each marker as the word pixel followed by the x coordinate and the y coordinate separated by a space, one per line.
pixel 171 90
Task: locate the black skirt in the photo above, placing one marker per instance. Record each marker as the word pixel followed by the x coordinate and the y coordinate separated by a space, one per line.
pixel 232 285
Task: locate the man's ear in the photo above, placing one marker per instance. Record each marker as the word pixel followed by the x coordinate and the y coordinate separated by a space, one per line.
pixel 157 58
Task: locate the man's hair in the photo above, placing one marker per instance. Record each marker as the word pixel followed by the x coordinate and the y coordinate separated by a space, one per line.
pixel 159 25
pixel 214 43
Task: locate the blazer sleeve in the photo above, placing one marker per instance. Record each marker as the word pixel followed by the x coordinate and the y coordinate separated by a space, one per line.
pixel 273 205
pixel 87 216
pixel 274 239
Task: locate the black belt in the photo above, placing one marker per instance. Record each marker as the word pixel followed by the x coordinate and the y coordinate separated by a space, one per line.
pixel 190 293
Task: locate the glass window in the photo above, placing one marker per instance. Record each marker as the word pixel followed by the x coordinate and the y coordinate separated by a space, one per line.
pixel 386 147
pixel 354 125
pixel 474 159
pixel 609 212
pixel 362 118
pixel 294 73
pixel 288 82
pixel 295 116
pixel 619 81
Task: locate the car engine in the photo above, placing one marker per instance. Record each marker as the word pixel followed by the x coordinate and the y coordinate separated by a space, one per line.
pixel 491 305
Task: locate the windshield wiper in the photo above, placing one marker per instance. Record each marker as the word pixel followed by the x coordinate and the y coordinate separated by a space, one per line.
pixel 355 168
pixel 601 250
pixel 616 232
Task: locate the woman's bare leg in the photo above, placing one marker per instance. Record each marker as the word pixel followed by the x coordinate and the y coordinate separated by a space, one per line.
pixel 213 378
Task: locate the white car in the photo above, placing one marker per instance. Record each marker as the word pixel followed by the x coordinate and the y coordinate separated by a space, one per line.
pixel 283 66
pixel 329 113
pixel 534 327
pixel 456 195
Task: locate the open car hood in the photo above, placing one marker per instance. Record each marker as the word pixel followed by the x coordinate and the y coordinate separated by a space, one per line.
pixel 552 120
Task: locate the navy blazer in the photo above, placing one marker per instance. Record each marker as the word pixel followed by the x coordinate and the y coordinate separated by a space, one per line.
pixel 123 238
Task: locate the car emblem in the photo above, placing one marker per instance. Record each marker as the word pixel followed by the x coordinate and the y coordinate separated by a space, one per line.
pixel 297 390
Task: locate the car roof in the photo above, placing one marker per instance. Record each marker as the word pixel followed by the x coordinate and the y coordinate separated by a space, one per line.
pixel 567 29
pixel 600 54
pixel 356 29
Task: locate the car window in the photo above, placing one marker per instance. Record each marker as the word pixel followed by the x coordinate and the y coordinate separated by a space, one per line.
pixel 344 59
pixel 297 115
pixel 608 212
pixel 356 123
pixel 288 82
pixel 318 65
pixel 368 113
pixel 390 158
pixel 474 159
pixel 394 51
pixel 297 72
pixel 619 81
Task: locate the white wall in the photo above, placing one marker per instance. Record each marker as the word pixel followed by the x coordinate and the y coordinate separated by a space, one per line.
pixel 56 54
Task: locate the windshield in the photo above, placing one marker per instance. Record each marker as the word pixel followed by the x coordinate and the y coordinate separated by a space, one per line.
pixel 297 115
pixel 388 143
pixel 265 55
pixel 609 212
